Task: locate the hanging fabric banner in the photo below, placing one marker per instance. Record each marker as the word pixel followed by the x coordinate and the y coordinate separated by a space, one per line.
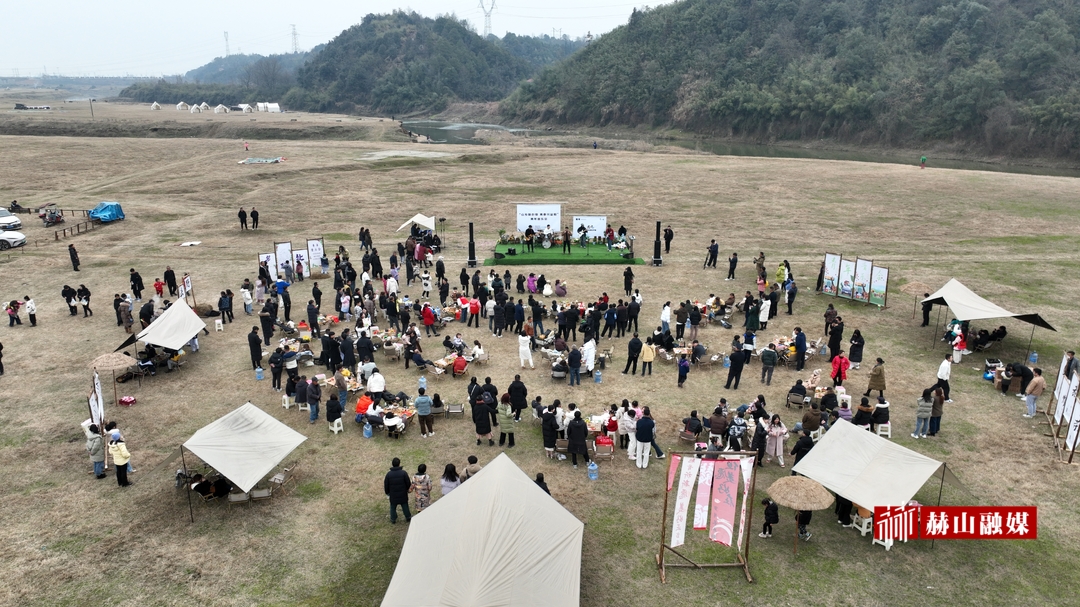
pixel 704 485
pixel 747 464
pixel 725 487
pixel 682 500
pixel 673 465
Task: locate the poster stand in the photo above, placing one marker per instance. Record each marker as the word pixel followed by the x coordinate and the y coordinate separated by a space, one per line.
pixel 742 555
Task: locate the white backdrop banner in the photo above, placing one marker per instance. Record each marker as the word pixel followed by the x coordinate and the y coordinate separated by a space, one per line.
pixel 596 225
pixel 539 216
pixel 271 263
pixel 315 251
pixel 300 256
pixel 1073 413
pixel 283 251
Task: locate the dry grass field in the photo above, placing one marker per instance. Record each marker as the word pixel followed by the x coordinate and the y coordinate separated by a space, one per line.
pixel 70 539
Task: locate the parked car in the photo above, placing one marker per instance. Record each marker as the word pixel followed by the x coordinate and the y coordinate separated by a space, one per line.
pixel 9 221
pixel 10 239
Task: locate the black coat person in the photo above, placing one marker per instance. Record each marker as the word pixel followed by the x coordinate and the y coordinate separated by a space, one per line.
pixel 482 415
pixel 735 371
pixel 266 319
pixel 136 282
pixel 146 313
pixel 463 278
pixel 170 280
pixel 255 346
pixel 74 255
pixel 550 428
pixel 365 349
pixel 348 354
pixel 519 396
pixel 577 432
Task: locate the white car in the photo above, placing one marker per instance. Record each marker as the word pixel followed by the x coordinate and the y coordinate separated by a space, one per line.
pixel 9 221
pixel 10 239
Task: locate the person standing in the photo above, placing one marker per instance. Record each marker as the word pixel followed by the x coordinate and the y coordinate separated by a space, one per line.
pixel 772 517
pixel 254 219
pixel 95 446
pixel 519 396
pixel 669 235
pixel 712 253
pixel 792 291
pixel 573 362
pixel 800 349
pixel 840 366
pixel 31 309
pixel 243 218
pixel 802 518
pixel 877 379
pixel 738 359
pixel 255 347
pixel 801 448
pixel 421 486
pixel 732 262
pixel 396 485
pixel 924 407
pixel 836 336
pixel 1035 388
pixel 943 373
pixel 936 412
pixel 423 405
pixel 121 456
pixel 927 307
pixel 648 354
pixel 768 364
pixel 684 369
pixel 507 410
pixel 567 238
pixel 576 433
pixel 644 434
pixel 170 280
pixel 314 397
pixel 628 281
pixel 633 351
pixel 136 283
pixel 855 351
pixel 74 255
pixel 84 298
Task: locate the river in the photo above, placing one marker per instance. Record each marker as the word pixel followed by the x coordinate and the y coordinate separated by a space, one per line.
pixel 463 133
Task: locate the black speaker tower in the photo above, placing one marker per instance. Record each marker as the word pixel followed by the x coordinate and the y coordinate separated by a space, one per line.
pixel 656 259
pixel 472 245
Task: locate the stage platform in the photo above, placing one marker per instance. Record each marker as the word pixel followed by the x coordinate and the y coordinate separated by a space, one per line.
pixel 595 254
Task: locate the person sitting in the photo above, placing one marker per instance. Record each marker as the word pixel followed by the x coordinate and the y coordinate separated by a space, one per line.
pixel 333 408
pixel 419 360
pixel 811 420
pixel 448 343
pixel 798 388
pixel 863 415
pixel 667 341
pixel 560 344
pixel 999 334
pixel 560 369
pixel 828 400
pixel 146 362
pixel 880 414
pixel 375 416
pixel 219 488
pixel 173 360
pixel 394 425
pixel 363 405
pixel 697 352
pixel 460 366
pixel 458 344
pixel 560 289
pixel 692 424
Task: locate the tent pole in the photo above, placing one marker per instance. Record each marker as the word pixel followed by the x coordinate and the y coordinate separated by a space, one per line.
pixel 944 467
pixel 187 484
pixel 663 531
pixel 115 400
pixel 749 526
pixel 933 334
pixel 1030 339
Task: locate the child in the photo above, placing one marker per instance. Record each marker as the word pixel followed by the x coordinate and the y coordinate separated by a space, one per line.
pixel 772 517
pixel 159 287
pixel 421 486
pixel 802 517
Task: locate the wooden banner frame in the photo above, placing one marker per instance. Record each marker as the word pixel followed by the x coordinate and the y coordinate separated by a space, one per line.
pixel 1060 442
pixel 742 555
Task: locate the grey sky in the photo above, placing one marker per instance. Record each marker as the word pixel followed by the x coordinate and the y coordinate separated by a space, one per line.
pixel 121 37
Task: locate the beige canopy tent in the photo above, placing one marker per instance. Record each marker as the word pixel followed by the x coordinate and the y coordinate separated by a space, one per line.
pixel 496 540
pixel 174 328
pixel 967 305
pixel 244 445
pixel 419 219
pixel 868 469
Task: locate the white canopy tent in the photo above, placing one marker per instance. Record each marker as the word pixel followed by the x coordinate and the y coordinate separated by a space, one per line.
pixel 968 305
pixel 419 219
pixel 497 539
pixel 174 328
pixel 868 469
pixel 244 445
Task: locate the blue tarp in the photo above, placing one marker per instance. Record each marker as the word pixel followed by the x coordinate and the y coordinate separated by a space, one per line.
pixel 107 211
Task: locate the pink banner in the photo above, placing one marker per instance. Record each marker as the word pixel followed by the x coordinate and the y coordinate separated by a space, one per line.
pixel 704 485
pixel 725 486
pixel 747 464
pixel 682 500
pixel 673 465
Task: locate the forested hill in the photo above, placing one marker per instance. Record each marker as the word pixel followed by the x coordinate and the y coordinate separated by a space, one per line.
pixel 403 62
pixel 999 76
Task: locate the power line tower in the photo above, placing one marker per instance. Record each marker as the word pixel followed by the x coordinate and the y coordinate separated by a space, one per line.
pixel 295 41
pixel 226 44
pixel 554 35
pixel 487 17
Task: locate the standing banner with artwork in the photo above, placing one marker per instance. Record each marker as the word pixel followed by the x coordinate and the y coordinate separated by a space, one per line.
pixel 1069 404
pixel 300 260
pixel 704 486
pixel 539 216
pixel 845 279
pixel 747 464
pixel 725 489
pixel 595 224
pixel 1072 413
pixel 283 250
pixel 860 290
pixel 879 286
pixel 271 263
pixel 682 500
pixel 830 281
pixel 315 251
pixel 1061 388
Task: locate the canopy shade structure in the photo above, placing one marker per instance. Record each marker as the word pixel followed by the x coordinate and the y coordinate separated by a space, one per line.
pixel 427 222
pixel 245 445
pixel 874 471
pixel 498 539
pixel 967 305
pixel 174 328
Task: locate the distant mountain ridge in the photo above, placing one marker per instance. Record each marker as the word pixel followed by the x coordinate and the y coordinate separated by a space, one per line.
pixel 1001 76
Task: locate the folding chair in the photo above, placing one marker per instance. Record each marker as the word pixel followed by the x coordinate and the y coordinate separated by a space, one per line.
pixel 238 498
pixel 602 452
pixel 455 408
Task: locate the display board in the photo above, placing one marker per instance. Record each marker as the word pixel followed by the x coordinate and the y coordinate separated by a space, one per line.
pixel 539 216
pixel 1072 413
pixel 845 278
pixel 300 259
pixel 271 263
pixel 879 286
pixel 1061 388
pixel 860 290
pixel 832 272
pixel 596 224
pixel 1068 406
pixel 315 251
pixel 283 251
